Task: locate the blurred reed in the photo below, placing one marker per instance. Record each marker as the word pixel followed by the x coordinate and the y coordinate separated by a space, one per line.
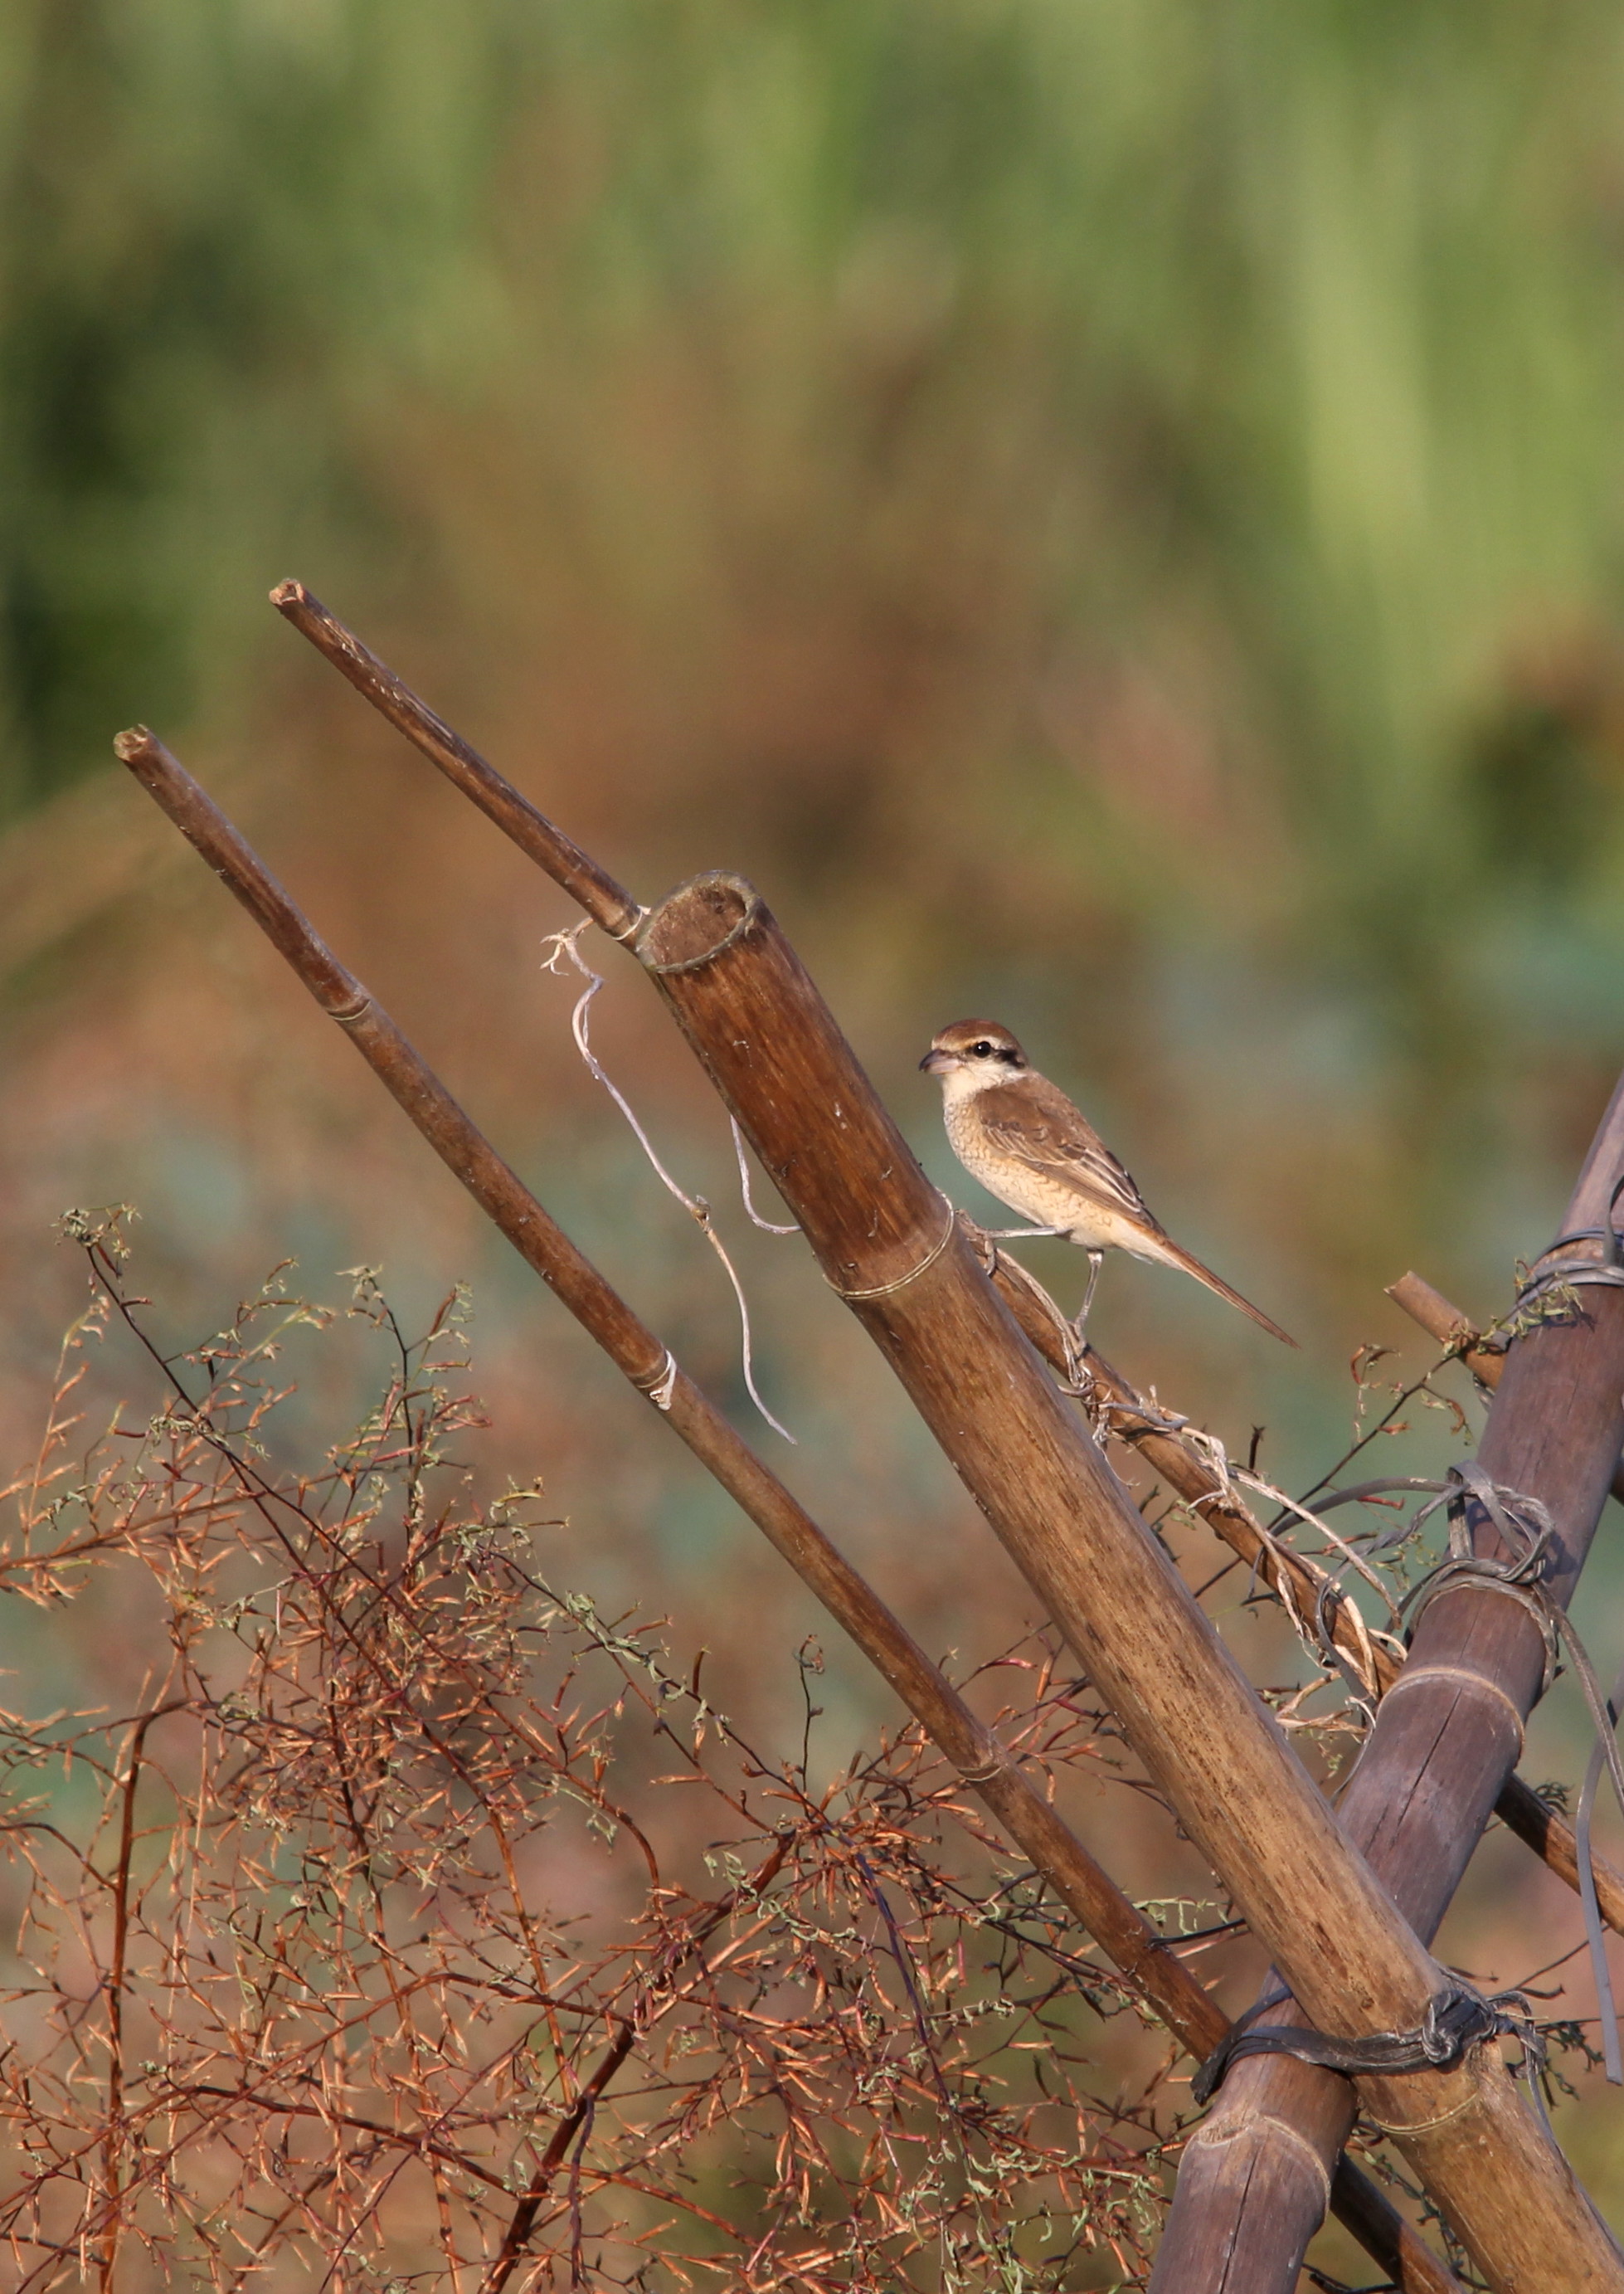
pixel 1160 463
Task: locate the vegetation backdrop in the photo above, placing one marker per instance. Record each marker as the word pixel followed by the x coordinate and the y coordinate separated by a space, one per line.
pixel 1112 513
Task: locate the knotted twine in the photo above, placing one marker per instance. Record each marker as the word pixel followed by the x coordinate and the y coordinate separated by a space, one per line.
pixel 1457 2018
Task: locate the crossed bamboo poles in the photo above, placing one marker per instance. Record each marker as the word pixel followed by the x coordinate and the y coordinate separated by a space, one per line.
pixel 1155 1972
pixel 903 1246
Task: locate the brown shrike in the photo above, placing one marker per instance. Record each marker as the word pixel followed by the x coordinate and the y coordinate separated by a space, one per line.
pixel 1022 1138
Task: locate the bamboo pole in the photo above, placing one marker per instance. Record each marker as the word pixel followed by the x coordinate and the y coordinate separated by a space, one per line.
pixel 1300 1583
pixel 615 910
pixel 1154 1971
pixel 1349 1960
pixel 1519 1808
pixel 607 903
pixel 1443 1741
pixel 887 1243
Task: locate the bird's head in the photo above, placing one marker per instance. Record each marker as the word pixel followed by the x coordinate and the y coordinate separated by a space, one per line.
pixel 973 1053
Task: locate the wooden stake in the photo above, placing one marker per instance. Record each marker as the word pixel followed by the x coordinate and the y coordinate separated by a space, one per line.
pixel 1082 1884
pixel 1444 1739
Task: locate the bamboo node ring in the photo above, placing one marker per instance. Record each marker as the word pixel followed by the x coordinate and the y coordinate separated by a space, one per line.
pixel 1215 2132
pixel 661 1383
pixel 1466 1679
pixel 884 1289
pixel 1424 2126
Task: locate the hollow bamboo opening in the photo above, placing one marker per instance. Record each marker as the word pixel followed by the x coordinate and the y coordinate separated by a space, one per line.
pixel 694 923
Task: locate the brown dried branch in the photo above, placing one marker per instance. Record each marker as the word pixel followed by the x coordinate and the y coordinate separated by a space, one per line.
pixel 113 2144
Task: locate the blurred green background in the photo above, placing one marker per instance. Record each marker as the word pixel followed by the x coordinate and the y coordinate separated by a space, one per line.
pixel 1111 512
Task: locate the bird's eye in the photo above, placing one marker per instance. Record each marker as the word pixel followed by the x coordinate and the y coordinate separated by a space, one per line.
pixel 982 1051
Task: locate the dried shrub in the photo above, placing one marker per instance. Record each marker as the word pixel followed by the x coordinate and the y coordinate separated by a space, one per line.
pixel 424 1928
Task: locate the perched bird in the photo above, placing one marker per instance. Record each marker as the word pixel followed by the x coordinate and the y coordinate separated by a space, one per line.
pixel 1022 1138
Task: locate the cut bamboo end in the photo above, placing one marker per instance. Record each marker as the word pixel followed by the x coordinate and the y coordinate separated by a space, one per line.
pixel 1414 1295
pixel 697 924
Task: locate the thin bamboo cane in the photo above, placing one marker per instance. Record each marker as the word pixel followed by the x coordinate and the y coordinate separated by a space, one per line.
pixel 1426 1780
pixel 1454 1330
pixel 607 903
pixel 1299 1582
pixel 611 907
pixel 1156 1972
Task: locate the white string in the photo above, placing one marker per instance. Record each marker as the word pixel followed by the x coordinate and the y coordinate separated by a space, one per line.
pixel 1317 1521
pixel 765 1224
pixel 659 1394
pixel 562 944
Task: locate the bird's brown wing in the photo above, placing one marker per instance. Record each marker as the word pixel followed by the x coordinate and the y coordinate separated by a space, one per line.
pixel 1033 1122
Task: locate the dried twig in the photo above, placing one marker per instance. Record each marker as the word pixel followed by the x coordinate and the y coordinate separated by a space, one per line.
pixel 328 2038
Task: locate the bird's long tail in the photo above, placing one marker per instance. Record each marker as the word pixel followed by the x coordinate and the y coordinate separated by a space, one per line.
pixel 1175 1255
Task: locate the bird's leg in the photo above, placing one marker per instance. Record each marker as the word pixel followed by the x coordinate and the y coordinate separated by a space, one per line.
pixel 1096 1259
pixel 1021 1234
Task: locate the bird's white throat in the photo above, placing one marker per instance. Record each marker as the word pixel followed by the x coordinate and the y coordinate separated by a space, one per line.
pixel 966 1081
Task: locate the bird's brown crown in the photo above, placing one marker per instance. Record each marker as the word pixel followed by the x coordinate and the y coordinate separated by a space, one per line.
pixel 973 1044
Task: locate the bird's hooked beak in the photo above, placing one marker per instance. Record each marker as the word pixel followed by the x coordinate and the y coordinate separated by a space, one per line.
pixel 937 1061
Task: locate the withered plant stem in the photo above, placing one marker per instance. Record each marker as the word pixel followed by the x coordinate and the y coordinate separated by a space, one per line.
pixel 1082 1884
pixel 114 2138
